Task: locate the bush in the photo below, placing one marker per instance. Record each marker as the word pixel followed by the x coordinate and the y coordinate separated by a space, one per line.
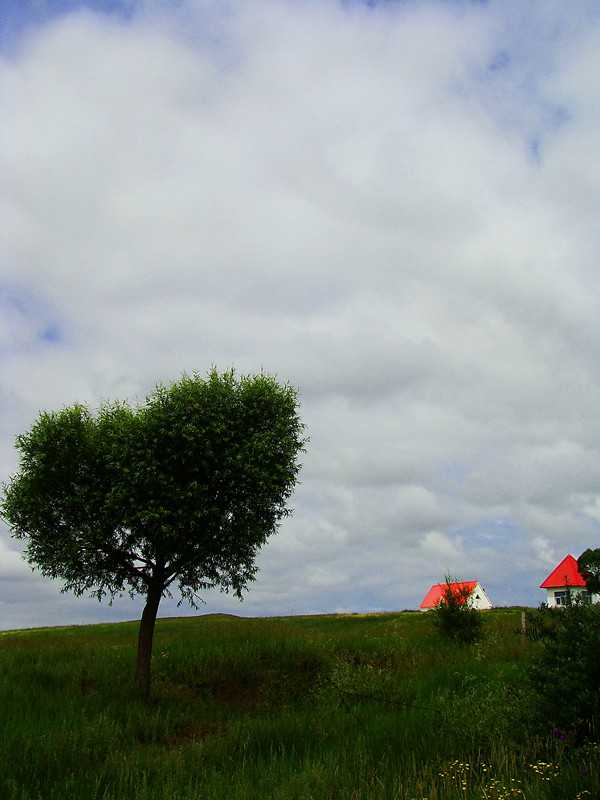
pixel 454 617
pixel 565 676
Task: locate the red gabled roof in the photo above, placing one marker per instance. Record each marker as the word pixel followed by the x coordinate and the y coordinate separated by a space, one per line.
pixel 566 574
pixel 435 594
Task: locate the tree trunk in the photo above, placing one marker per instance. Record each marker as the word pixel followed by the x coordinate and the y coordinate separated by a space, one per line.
pixel 144 653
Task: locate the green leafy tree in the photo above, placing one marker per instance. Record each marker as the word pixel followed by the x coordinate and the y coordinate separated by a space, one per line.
pixel 454 617
pixel 588 565
pixel 178 492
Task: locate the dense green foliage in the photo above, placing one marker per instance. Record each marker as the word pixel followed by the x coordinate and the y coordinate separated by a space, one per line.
pixel 565 676
pixel 454 617
pixel 376 707
pixel 180 491
pixel 588 565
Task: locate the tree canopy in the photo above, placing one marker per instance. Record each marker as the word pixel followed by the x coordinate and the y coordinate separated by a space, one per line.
pixel 178 492
pixel 588 565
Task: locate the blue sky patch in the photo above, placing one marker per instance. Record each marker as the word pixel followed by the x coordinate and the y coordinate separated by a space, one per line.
pixel 19 16
pixel 29 312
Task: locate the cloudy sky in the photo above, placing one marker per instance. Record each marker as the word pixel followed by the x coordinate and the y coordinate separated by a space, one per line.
pixel 392 205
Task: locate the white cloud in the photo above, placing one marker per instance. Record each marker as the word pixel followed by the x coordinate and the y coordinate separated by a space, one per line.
pixel 545 553
pixel 442 547
pixel 393 208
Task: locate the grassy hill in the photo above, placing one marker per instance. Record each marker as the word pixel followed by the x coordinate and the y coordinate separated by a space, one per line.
pixel 355 706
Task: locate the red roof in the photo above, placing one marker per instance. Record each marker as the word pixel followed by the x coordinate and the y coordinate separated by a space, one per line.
pixel 566 574
pixel 435 594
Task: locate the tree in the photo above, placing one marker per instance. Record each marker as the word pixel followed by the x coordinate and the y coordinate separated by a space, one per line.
pixel 588 565
pixel 181 490
pixel 454 617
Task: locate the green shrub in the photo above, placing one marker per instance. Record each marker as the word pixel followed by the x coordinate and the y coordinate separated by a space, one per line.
pixel 454 617
pixel 565 675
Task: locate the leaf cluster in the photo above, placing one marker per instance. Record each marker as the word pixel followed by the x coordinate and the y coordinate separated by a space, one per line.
pixel 588 565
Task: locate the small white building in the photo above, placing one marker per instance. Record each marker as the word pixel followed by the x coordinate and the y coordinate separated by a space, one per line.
pixel 564 579
pixel 477 598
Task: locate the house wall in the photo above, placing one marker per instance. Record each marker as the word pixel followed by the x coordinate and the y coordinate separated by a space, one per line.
pixel 552 601
pixel 479 599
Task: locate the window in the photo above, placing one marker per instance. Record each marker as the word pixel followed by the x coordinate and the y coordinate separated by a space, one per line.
pixel 560 598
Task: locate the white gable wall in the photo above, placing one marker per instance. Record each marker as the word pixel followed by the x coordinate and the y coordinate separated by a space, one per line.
pixel 479 599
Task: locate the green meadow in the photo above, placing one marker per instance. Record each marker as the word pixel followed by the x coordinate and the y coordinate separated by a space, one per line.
pixel 355 706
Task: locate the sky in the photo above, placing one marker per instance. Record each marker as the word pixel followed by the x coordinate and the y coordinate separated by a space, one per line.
pixel 393 206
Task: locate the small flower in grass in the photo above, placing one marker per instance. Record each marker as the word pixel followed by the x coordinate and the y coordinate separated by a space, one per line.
pixel 558 734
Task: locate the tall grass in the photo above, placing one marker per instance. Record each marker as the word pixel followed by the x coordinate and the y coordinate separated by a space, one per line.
pixel 346 707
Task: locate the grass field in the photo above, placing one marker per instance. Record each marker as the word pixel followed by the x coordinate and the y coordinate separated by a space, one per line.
pixel 355 706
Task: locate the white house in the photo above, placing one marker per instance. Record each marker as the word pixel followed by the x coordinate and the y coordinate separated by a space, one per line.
pixel 564 578
pixel 477 597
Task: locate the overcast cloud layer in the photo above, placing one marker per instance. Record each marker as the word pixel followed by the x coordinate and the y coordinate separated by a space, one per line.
pixel 392 206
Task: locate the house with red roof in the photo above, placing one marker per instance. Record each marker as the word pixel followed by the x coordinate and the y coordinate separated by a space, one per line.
pixel 477 598
pixel 564 578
